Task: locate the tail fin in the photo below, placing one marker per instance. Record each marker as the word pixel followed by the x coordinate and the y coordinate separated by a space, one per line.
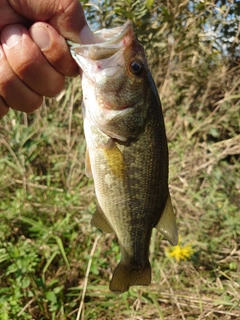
pixel 125 276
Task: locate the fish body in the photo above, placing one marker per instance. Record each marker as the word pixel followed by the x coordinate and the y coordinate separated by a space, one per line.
pixel 127 153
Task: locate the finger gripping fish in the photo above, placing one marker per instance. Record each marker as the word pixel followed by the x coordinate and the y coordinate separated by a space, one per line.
pixel 127 153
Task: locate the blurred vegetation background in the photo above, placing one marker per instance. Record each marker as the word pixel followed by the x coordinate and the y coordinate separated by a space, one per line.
pixel 53 264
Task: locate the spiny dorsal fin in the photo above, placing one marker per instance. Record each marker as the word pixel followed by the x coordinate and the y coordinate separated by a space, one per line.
pixel 100 221
pixel 167 223
pixel 88 169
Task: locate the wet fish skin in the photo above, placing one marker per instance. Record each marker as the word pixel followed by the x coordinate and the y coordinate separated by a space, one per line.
pixel 127 153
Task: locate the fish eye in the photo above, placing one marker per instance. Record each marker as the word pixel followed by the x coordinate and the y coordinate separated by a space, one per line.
pixel 136 67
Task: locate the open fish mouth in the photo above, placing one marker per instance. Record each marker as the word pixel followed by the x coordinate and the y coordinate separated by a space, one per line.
pixel 107 42
pixel 105 56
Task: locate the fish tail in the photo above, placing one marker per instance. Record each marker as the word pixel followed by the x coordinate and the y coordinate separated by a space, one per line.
pixel 125 276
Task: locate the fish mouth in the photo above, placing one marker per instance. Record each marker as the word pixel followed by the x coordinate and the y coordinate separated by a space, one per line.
pixel 105 57
pixel 107 43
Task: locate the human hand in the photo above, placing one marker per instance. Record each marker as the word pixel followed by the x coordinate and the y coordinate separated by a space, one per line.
pixel 34 56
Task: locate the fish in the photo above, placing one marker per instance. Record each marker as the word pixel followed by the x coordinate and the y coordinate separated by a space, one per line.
pixel 126 149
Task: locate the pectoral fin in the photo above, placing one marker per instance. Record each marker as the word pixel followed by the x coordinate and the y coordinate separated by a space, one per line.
pixel 167 223
pixel 100 221
pixel 88 169
pixel 115 159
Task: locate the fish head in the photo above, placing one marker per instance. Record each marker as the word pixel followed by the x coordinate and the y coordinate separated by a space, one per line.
pixel 116 81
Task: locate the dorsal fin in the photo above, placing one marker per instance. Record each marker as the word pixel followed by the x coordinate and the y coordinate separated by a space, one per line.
pixel 167 223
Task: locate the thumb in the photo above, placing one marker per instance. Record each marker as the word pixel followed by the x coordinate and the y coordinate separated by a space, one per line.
pixel 54 47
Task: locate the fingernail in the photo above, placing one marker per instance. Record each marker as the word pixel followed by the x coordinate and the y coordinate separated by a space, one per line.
pixel 12 35
pixel 40 36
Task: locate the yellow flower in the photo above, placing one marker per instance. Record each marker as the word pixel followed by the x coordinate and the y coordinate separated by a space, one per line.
pixel 180 252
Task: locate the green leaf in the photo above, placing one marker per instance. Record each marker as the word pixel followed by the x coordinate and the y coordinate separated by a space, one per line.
pixel 51 296
pixel 62 250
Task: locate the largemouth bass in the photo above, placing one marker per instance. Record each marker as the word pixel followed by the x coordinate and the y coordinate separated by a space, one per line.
pixel 127 152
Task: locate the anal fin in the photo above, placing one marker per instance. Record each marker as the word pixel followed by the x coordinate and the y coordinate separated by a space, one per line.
pixel 167 223
pixel 100 221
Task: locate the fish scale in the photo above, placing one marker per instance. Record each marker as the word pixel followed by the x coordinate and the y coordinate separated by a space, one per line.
pixel 127 153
